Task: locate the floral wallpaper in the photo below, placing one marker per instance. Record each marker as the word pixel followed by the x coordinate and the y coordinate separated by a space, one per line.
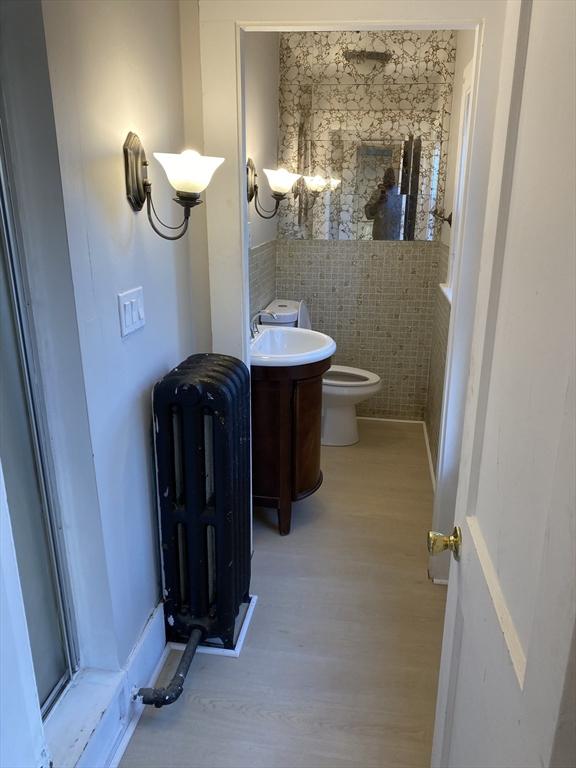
pixel 348 118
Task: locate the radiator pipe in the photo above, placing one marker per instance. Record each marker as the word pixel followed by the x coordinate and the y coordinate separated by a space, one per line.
pixel 160 697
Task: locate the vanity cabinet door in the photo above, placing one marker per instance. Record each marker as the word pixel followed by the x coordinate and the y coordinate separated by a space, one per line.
pixel 306 433
pixel 271 439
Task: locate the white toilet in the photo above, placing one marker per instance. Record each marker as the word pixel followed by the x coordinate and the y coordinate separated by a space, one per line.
pixel 342 387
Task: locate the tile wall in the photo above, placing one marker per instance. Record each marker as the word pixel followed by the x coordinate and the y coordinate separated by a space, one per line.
pixel 377 300
pixel 439 343
pixel 381 302
pixel 262 275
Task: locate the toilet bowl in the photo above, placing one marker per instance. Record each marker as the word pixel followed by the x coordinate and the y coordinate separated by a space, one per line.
pixel 343 387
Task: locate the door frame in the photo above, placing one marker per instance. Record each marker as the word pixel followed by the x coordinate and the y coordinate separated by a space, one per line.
pixel 496 54
pixel 19 298
pixel 462 277
pixel 18 694
pixel 34 175
pixel 229 276
pixel 221 28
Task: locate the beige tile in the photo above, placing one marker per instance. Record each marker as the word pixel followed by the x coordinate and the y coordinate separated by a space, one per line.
pixel 376 299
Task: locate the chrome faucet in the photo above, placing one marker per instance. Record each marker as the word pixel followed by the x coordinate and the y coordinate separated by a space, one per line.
pixel 254 321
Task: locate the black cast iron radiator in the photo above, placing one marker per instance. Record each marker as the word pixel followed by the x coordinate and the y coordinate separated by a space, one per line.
pixel 202 447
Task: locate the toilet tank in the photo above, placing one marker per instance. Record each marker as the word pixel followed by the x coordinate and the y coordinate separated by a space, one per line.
pixel 289 312
pixel 286 311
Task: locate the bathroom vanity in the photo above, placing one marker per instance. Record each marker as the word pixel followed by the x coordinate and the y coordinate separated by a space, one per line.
pixel 286 431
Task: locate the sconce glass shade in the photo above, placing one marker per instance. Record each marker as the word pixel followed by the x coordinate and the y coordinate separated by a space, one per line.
pixel 315 183
pixel 281 181
pixel 189 171
pixel 334 183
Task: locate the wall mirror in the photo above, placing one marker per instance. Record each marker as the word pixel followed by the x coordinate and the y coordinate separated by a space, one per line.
pixel 370 110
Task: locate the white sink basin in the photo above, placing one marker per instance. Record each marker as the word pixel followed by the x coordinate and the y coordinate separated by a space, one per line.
pixel 289 346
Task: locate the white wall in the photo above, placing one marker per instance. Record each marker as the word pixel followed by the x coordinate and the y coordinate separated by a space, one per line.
pixel 464 54
pixel 115 67
pixel 261 79
pixel 31 149
pixel 197 239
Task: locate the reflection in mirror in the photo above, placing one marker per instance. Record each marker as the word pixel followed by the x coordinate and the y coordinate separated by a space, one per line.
pixel 370 109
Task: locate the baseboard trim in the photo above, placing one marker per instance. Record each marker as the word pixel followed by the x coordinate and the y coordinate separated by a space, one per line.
pixel 138 709
pixel 89 722
pixel 429 452
pixel 395 421
pixel 426 440
pixel 142 666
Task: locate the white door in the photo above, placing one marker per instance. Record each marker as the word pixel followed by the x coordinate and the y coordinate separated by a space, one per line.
pixel 511 599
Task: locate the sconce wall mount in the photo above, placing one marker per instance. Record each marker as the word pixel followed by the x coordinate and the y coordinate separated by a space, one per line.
pixel 251 185
pixel 280 181
pixel 136 171
pixel 439 214
pixel 189 173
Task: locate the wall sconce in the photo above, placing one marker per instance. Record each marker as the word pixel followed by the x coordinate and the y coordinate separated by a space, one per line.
pixel 280 181
pixel 189 173
pixel 315 185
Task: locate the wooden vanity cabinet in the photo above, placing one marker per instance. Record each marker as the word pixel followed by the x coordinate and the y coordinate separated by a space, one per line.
pixel 286 432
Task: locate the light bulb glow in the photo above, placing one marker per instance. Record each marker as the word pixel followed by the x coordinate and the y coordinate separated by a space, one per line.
pixel 281 181
pixel 315 183
pixel 189 171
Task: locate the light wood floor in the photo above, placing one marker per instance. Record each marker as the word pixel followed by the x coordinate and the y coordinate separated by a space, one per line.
pixel 340 663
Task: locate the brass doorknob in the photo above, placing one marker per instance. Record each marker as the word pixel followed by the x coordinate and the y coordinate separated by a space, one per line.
pixel 437 542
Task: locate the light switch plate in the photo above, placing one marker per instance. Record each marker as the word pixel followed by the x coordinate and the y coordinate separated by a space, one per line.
pixel 131 310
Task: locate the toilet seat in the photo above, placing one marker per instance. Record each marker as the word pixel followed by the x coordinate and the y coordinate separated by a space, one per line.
pixel 343 387
pixel 346 376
